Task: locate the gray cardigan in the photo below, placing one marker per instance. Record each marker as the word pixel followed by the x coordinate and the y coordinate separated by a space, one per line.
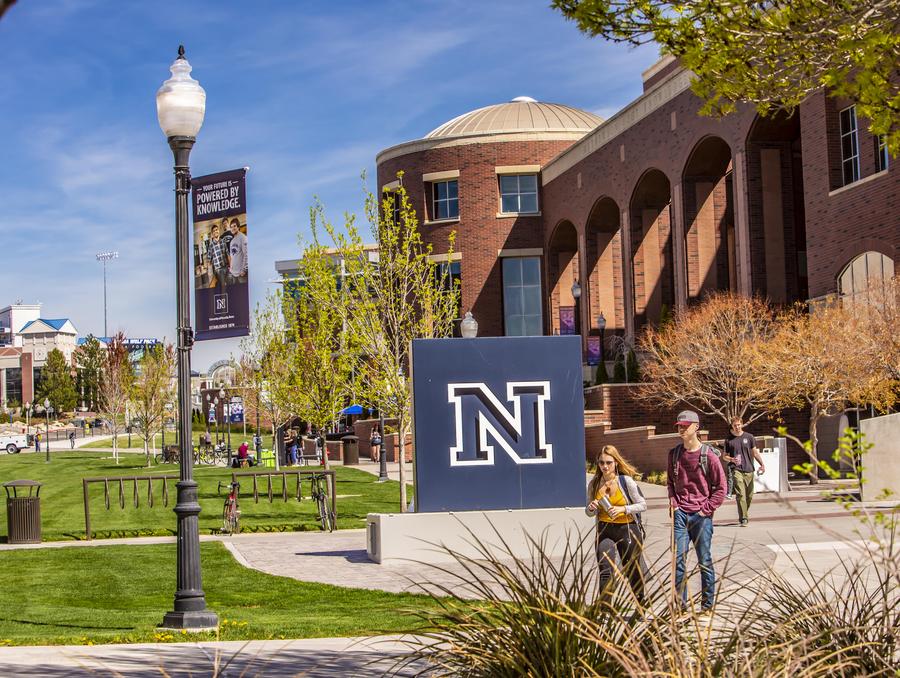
pixel 633 492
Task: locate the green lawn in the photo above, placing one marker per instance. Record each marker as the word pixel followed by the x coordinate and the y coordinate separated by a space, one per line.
pixel 62 505
pixel 115 594
pixel 137 443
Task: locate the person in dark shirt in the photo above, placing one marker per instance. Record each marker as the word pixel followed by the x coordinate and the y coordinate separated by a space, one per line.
pixel 741 450
pixel 696 485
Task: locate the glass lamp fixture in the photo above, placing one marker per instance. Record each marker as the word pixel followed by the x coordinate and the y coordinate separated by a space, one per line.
pixel 181 101
pixel 601 322
pixel 469 326
pixel 576 290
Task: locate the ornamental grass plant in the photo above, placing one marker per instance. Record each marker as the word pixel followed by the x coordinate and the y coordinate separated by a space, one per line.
pixel 544 616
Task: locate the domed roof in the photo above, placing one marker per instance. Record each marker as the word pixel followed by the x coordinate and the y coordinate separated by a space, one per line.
pixel 522 114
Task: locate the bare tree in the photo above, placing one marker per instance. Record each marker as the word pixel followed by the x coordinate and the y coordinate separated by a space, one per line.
pixel 816 359
pixel 151 390
pixel 116 380
pixel 704 357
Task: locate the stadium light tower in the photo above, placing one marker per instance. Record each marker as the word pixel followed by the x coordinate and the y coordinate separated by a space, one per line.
pixel 104 257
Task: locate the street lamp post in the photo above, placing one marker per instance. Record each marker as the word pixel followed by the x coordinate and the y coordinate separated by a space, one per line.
pixel 601 325
pixel 180 106
pixel 216 416
pixel 47 427
pixel 104 257
pixel 226 421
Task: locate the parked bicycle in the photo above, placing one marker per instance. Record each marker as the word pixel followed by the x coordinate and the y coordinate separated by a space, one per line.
pixel 231 512
pixel 318 490
pixel 169 455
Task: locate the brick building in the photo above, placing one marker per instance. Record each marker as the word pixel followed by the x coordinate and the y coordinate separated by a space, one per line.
pixel 649 209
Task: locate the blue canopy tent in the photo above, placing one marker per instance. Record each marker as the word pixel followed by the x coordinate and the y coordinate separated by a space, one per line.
pixel 353 409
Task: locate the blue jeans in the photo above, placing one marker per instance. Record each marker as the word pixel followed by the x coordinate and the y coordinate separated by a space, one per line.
pixel 692 528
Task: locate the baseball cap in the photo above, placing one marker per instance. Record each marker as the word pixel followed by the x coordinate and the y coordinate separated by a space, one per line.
pixel 687 417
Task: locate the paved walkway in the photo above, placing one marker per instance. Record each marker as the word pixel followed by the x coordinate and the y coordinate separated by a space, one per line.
pixel 312 658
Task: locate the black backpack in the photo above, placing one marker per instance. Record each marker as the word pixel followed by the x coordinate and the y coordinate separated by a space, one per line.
pixel 628 499
pixel 705 449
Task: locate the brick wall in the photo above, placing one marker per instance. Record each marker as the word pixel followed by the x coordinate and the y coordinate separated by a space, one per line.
pixel 861 217
pixel 479 231
pixel 624 410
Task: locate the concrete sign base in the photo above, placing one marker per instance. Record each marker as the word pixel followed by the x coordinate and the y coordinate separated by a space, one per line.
pixel 423 537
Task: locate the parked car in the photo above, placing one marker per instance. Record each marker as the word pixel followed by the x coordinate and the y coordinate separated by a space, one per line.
pixel 13 443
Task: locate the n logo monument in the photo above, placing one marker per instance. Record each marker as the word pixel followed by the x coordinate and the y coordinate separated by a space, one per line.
pixel 498 428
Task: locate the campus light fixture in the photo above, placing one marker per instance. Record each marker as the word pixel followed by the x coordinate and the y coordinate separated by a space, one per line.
pixel 180 107
pixel 469 326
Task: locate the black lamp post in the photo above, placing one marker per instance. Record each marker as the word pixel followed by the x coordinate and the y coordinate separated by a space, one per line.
pixel 180 106
pixel 47 409
pixel 226 420
pixel 601 325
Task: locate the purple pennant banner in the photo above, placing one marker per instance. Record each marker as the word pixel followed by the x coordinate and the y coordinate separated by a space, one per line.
pixel 567 320
pixel 593 351
pixel 221 280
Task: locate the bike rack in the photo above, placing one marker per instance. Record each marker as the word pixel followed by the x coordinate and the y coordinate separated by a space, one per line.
pixel 120 481
pixel 256 475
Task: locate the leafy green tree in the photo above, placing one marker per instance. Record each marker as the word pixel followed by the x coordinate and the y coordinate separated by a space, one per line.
pixel 772 54
pixel 633 368
pixel 324 355
pixel 619 370
pixel 57 384
pixel 401 296
pixel 602 374
pixel 89 359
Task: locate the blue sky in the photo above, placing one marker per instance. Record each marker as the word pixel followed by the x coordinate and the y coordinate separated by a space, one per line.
pixel 304 93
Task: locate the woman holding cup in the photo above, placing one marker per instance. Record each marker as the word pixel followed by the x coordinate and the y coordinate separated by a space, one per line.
pixel 616 500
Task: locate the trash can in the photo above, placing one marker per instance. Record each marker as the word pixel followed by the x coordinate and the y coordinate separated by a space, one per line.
pixel 23 512
pixel 351 450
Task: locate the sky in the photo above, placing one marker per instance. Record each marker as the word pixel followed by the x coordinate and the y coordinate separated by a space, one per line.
pixel 305 94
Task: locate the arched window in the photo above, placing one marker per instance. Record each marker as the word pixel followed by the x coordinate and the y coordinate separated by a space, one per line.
pixel 868 270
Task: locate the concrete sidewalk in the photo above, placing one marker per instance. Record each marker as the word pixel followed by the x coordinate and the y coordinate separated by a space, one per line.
pixel 311 658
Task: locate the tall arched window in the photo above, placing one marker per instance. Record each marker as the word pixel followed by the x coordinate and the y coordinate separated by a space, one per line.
pixel 868 270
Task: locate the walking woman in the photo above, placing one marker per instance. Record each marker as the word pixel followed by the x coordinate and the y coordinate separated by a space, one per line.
pixel 619 529
pixel 375 442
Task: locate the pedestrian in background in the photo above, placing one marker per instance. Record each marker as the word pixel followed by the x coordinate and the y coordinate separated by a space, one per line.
pixel 696 486
pixel 71 440
pixel 740 451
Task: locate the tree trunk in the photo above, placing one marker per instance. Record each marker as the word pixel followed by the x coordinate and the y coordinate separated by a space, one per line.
pixel 401 429
pixel 116 448
pixel 814 443
pixel 147 452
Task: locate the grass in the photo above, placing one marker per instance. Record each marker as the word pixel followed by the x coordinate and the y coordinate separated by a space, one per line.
pixel 62 505
pixel 119 594
pixel 137 443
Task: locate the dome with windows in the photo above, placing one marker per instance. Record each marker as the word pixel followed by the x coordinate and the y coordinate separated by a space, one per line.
pixel 522 114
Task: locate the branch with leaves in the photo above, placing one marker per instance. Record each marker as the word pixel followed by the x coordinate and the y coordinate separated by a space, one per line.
pixel 771 54
pixel 151 390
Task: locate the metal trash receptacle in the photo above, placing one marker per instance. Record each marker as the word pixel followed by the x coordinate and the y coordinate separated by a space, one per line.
pixel 351 450
pixel 23 512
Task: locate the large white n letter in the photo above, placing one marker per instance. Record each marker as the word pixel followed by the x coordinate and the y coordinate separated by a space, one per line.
pixel 510 438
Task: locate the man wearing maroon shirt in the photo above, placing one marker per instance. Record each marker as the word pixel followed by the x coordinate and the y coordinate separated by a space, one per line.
pixel 696 482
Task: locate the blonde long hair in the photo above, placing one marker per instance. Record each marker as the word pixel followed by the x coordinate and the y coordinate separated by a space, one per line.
pixel 623 467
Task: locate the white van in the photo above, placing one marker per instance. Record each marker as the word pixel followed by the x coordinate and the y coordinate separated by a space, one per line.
pixel 13 442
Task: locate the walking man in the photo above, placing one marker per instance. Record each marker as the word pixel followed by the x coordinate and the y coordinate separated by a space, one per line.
pixel 741 450
pixel 696 484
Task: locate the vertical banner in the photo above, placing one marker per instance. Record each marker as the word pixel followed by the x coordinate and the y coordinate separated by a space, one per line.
pixel 593 351
pixel 221 287
pixel 567 320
